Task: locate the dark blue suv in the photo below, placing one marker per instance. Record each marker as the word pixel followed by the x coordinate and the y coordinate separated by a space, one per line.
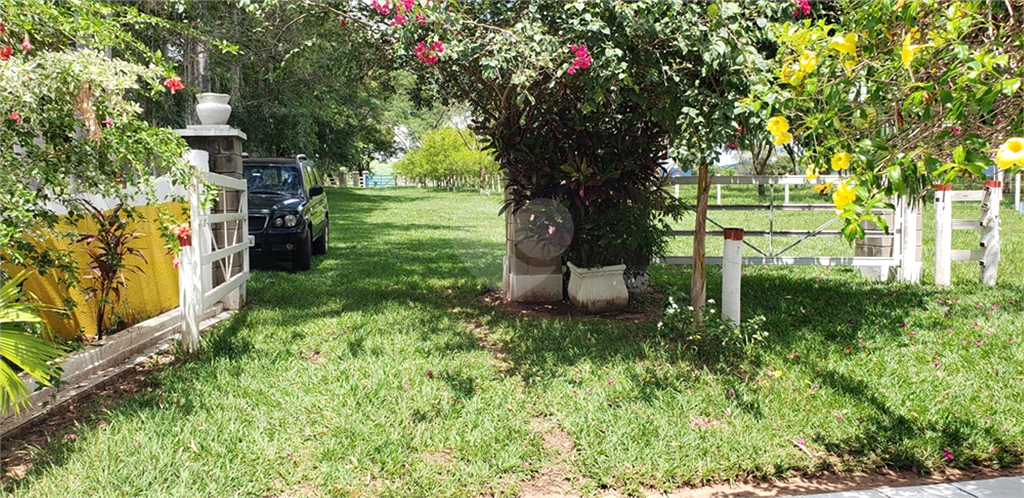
pixel 288 216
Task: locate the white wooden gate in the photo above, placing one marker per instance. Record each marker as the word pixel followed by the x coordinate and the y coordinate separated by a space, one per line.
pixel 988 223
pixel 228 249
pixel 770 255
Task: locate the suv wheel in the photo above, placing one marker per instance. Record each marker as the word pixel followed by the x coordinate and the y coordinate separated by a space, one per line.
pixel 303 254
pixel 320 244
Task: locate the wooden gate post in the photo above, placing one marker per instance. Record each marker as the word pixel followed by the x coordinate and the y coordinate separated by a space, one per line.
pixel 990 229
pixel 910 263
pixel 943 233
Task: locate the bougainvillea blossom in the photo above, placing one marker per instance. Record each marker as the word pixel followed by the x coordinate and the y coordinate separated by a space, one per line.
pixel 429 54
pixel 407 5
pixel 382 6
pixel 14 116
pixel 399 19
pixel 422 19
pixel 582 60
pixel 25 45
pixel 6 52
pixel 174 84
pixel 802 7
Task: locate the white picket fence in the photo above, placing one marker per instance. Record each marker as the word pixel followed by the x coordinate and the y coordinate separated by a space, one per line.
pixel 196 263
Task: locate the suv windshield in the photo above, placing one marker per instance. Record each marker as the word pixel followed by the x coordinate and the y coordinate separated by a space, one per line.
pixel 265 179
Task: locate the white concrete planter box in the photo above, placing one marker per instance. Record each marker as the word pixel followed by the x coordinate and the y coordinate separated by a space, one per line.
pixel 598 290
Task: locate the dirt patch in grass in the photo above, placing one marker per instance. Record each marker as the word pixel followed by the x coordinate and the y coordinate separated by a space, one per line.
pixel 60 423
pixel 556 478
pixel 643 309
pixel 314 357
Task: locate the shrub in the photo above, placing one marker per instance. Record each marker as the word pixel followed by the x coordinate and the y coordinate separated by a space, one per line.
pixel 714 337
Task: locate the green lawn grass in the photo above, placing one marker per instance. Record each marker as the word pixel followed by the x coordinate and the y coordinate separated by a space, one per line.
pixel 383 372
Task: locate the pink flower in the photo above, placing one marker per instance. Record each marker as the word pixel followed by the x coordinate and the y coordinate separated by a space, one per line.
pixel 408 4
pixel 814 387
pixel 176 262
pixel 731 393
pixel 582 60
pixel 956 130
pixel 800 442
pixel 422 19
pixel 839 416
pixel 6 52
pixel 938 364
pixel 979 342
pixel 699 423
pixel 382 6
pixel 948 455
pixel 802 6
pixel 975 324
pixel 611 381
pixel 25 45
pixel 732 146
pixel 399 19
pixel 913 333
pixel 14 116
pixel 108 122
pixel 728 412
pixel 72 437
pixel 429 54
pixel 174 84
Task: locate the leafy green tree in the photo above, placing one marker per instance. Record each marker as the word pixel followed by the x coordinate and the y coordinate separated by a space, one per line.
pixel 70 125
pixel 451 157
pixel 581 101
pixel 898 96
pixel 300 80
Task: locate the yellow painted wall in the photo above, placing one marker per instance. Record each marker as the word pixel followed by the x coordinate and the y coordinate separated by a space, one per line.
pixel 146 294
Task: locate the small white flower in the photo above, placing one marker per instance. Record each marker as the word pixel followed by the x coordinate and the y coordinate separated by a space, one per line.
pixel 660 324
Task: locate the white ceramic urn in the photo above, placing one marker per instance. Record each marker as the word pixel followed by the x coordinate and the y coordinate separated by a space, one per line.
pixel 213 108
pixel 598 290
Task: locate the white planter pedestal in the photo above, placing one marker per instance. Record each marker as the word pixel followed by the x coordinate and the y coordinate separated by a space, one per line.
pixel 598 290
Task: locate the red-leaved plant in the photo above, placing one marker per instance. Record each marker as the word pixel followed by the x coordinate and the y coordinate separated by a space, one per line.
pixel 108 250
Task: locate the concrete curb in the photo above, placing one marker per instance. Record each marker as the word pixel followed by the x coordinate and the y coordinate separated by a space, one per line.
pixel 104 359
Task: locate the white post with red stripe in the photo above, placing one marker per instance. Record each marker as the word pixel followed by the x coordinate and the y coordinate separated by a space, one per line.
pixel 732 269
pixel 990 229
pixel 943 233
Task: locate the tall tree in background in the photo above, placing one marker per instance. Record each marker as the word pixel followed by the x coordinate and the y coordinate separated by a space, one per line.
pixel 302 78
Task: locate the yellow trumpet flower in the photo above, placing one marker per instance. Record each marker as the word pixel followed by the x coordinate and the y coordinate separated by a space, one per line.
pixel 808 61
pixel 841 161
pixel 843 195
pixel 1011 153
pixel 908 52
pixel 845 44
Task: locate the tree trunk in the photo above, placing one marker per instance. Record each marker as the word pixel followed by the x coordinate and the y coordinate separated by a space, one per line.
pixel 698 278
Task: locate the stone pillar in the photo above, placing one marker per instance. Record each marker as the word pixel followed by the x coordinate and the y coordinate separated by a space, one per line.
pixel 531 272
pixel 224 145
